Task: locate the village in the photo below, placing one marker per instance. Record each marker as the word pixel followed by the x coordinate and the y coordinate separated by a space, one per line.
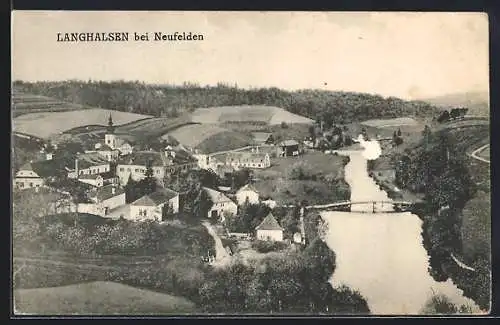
pixel 98 182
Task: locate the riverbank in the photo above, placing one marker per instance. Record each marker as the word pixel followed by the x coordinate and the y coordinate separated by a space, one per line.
pixel 388 244
pixel 442 242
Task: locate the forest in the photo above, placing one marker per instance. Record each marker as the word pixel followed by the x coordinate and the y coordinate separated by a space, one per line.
pixel 175 100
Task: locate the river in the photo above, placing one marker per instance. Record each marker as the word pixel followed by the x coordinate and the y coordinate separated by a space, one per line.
pixel 381 255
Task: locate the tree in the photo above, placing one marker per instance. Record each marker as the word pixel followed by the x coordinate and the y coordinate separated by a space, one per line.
pixel 148 184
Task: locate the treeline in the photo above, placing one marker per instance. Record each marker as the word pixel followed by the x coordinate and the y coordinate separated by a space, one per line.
pixel 170 100
pixel 292 283
pixel 438 169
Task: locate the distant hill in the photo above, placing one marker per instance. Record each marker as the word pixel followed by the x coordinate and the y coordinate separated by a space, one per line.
pixel 477 102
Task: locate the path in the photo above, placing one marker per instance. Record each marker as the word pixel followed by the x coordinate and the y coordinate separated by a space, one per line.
pixel 221 255
pixel 478 150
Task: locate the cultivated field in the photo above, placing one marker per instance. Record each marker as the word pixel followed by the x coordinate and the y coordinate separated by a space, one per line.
pixel 393 122
pixel 43 125
pixel 98 298
pixel 24 103
pixel 247 114
pixel 222 141
pixel 195 134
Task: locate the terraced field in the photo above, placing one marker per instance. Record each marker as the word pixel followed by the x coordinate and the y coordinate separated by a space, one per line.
pixel 23 103
pixel 247 114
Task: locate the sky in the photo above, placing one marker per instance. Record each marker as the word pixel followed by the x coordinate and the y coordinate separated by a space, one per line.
pixel 407 55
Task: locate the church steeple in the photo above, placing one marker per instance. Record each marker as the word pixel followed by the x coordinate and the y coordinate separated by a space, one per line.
pixel 110 127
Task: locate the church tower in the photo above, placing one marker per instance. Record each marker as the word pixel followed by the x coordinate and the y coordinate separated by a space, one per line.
pixel 109 137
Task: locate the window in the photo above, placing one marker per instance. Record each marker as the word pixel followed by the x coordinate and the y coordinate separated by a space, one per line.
pixel 157 171
pixel 81 172
pixel 137 170
pixel 128 169
pixel 122 169
pixel 260 165
pixel 21 185
pixel 31 184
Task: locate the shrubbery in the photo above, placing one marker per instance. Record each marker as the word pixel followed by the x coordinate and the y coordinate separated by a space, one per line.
pixel 263 246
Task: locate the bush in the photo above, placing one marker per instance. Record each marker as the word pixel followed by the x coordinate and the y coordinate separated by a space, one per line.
pixel 262 246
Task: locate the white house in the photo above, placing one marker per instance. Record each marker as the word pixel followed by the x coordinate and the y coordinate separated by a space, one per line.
pixel 26 177
pixel 269 229
pixel 150 207
pixel 107 152
pixel 162 163
pixel 88 164
pixel 247 192
pixel 98 180
pixel 104 199
pixel 220 204
pixel 248 160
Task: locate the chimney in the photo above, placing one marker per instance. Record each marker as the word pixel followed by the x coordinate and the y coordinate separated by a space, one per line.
pixel 76 167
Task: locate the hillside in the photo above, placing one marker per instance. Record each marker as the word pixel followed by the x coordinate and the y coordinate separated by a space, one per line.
pixel 45 124
pixel 477 102
pixel 222 141
pixel 98 298
pixel 194 134
pixel 172 101
pixel 23 103
pixel 247 113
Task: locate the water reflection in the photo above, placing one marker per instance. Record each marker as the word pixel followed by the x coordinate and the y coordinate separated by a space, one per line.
pixel 381 254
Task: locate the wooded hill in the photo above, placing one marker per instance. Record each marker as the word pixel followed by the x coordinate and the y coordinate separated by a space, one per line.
pixel 171 100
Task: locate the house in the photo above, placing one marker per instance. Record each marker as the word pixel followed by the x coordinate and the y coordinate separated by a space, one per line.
pixel 247 192
pixel 27 177
pixel 288 148
pixel 38 173
pixel 88 164
pixel 103 199
pixel 99 180
pixel 269 229
pixel 107 152
pixel 218 204
pixel 151 206
pixel 169 161
pixel 263 138
pixel 245 159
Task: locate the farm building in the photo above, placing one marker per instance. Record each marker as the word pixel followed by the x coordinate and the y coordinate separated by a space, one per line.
pixel 89 164
pixel 269 229
pixel 288 148
pixel 263 138
pixel 151 206
pixel 218 204
pixel 249 193
pixel 99 180
pixel 103 199
pixel 27 177
pixel 169 161
pixel 248 160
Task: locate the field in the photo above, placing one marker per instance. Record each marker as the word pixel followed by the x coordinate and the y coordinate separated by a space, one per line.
pixel 194 134
pixel 222 141
pixel 322 180
pixel 476 227
pixel 98 298
pixel 43 125
pixel 23 103
pixel 247 113
pixel 394 122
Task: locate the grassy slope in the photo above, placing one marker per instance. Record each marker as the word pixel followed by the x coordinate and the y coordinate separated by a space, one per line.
pixel 45 124
pixel 222 141
pixel 98 298
pixel 195 134
pixel 275 183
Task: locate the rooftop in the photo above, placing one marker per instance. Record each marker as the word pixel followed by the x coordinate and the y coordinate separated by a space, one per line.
pixel 247 187
pixel 289 143
pixel 156 198
pixel 216 196
pixel 269 223
pixel 106 192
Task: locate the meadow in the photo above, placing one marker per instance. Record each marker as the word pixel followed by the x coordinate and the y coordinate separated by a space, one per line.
pixel 247 113
pixel 98 298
